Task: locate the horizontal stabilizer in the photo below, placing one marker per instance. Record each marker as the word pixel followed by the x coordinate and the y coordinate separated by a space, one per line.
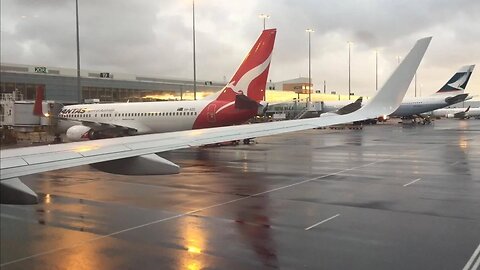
pixel 456 99
pixel 351 107
pixel 13 191
pixel 150 164
pixel 243 102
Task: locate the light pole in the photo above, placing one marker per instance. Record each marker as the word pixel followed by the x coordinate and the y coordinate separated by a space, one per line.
pixel 309 31
pixel 194 58
pixel 376 70
pixel 264 17
pixel 79 89
pixel 349 67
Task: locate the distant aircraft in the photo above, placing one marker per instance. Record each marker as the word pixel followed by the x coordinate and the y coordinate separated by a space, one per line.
pixel 458 113
pixel 452 92
pixel 137 155
pixel 237 102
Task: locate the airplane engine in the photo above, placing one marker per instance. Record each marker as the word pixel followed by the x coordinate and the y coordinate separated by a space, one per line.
pixel 79 133
pixel 450 115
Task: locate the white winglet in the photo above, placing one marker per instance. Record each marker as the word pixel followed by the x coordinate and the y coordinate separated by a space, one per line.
pixel 390 96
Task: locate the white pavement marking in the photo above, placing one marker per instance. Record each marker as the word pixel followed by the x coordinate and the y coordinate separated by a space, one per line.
pixel 475 267
pixel 472 259
pixel 187 213
pixel 321 222
pixel 408 184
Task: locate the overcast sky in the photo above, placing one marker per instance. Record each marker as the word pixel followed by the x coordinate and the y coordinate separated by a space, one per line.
pixel 154 37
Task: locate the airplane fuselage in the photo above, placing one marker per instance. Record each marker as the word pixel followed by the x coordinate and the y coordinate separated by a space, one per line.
pixel 453 112
pixel 153 117
pixel 418 105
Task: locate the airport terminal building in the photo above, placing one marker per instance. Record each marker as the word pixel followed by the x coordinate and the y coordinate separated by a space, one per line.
pixel 61 85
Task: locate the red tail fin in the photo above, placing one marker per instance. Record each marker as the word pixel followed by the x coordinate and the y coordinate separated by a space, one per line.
pixel 251 77
pixel 39 95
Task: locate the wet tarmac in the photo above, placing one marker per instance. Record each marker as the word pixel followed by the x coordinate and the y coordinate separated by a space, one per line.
pixel 385 197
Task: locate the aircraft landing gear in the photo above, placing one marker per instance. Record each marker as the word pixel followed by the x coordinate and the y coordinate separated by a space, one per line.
pixel 247 141
pixel 57 139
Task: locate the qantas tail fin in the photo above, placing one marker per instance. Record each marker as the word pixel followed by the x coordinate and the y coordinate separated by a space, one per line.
pixel 250 78
pixel 459 81
pixel 39 95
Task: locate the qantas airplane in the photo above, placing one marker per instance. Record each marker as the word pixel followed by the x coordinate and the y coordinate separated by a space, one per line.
pixel 137 155
pixel 452 92
pixel 236 103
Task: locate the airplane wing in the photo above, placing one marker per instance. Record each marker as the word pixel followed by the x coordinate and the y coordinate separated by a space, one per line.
pixel 96 125
pixel 103 126
pixel 136 154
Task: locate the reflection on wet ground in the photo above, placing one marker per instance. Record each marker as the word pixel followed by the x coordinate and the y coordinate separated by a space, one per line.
pixel 402 198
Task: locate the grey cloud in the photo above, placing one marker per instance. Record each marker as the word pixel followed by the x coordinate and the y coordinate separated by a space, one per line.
pixel 155 37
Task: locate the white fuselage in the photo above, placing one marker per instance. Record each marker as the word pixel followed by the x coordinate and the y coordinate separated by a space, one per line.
pixel 418 105
pixel 145 117
pixel 450 112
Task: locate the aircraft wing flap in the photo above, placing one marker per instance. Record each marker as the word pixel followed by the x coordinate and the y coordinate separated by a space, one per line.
pixel 12 162
pixel 48 157
pixel 160 143
pixel 106 150
pixel 252 131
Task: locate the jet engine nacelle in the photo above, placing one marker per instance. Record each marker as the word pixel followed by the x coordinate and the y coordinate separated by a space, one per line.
pixel 450 115
pixel 79 133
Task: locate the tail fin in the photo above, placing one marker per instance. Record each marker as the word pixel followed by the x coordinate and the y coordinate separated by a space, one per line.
pixel 459 81
pixel 39 95
pixel 251 77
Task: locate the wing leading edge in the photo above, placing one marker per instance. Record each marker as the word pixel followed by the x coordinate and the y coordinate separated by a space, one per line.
pixel 30 160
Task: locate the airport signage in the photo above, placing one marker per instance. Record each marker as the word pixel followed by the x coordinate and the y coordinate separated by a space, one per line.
pixel 41 70
pixel 105 75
